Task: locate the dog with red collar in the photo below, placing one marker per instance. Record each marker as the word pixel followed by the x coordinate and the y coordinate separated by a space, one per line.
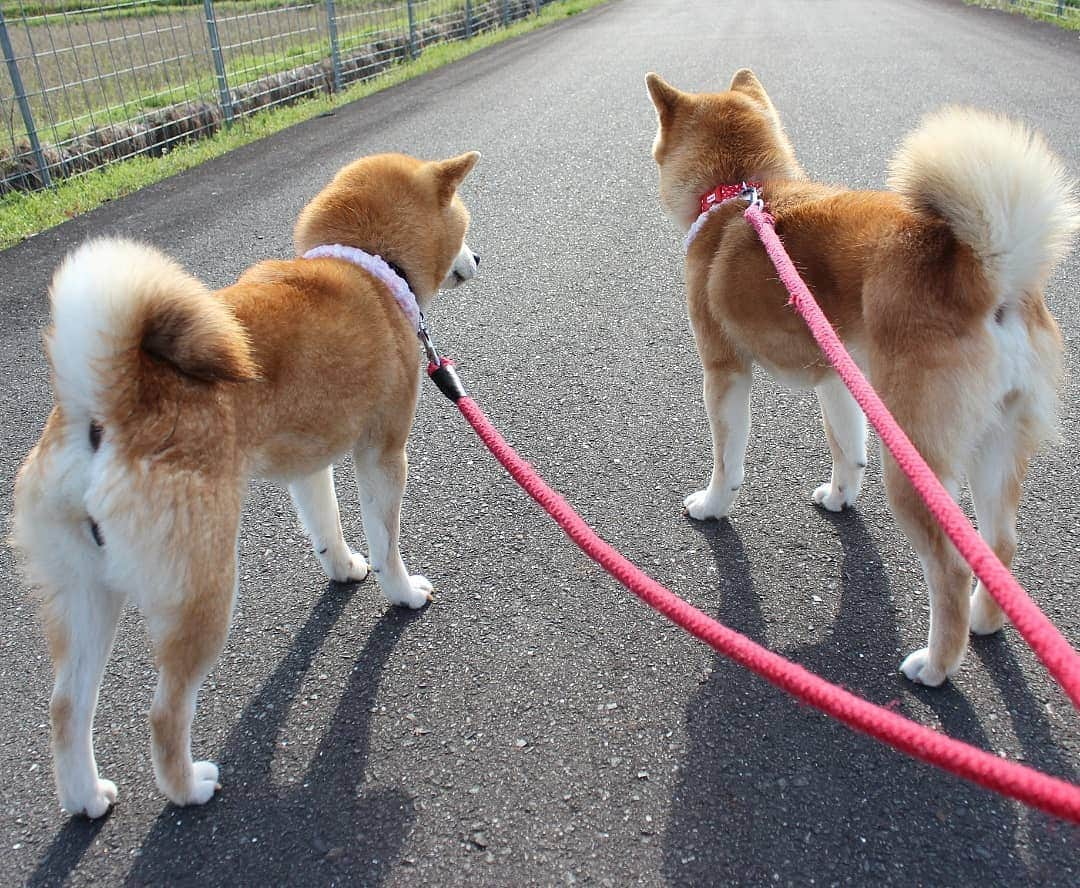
pixel 935 286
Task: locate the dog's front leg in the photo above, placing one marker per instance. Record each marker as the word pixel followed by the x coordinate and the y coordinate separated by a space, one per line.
pixel 316 504
pixel 845 428
pixel 381 478
pixel 727 403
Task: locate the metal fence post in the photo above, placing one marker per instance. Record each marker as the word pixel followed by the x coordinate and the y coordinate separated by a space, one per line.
pixel 219 61
pixel 1061 7
pixel 505 12
pixel 468 19
pixel 413 49
pixel 335 54
pixel 24 105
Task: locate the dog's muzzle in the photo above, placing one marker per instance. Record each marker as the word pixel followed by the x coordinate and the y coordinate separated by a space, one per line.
pixel 464 268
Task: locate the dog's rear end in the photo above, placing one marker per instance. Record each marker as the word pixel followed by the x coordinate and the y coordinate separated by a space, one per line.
pixel 975 371
pixel 122 498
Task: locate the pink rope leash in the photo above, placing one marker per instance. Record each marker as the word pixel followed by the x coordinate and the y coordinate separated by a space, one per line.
pixel 1032 787
pixel 1029 786
pixel 1047 642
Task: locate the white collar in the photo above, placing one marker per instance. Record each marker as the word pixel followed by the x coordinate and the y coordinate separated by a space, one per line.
pixel 699 223
pixel 378 267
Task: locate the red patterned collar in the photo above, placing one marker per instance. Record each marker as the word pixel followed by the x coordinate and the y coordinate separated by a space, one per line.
pixel 723 193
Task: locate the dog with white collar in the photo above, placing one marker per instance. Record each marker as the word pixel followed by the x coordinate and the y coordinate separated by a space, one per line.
pixel 169 398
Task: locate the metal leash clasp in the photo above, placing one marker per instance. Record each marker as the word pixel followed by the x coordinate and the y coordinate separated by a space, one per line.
pixel 753 195
pixel 425 340
pixel 440 369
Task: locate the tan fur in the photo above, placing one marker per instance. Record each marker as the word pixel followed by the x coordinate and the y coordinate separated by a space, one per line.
pixel 908 281
pixel 276 376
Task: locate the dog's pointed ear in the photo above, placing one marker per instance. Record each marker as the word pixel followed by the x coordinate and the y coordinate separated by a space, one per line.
pixel 665 97
pixel 450 173
pixel 746 82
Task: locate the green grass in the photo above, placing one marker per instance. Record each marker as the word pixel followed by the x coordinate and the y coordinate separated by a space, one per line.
pixel 24 214
pixel 1041 10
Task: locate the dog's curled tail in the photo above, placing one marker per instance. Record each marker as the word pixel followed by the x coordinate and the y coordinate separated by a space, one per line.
pixel 123 312
pixel 1000 189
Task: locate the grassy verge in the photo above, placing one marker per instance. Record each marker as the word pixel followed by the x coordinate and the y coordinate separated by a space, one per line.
pixel 1042 10
pixel 24 214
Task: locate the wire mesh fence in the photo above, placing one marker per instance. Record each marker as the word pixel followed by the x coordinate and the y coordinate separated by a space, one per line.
pixel 88 83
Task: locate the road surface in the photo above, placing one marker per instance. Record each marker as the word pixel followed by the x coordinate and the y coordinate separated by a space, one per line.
pixel 537 725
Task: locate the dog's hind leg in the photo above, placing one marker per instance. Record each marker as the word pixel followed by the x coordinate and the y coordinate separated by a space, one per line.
pixel 948 577
pixel 996 476
pixel 81 614
pixel 845 428
pixel 188 616
pixel 79 611
pixel 316 504
pixel 381 476
pixel 81 618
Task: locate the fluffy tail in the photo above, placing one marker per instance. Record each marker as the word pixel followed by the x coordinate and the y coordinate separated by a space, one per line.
pixel 123 311
pixel 999 188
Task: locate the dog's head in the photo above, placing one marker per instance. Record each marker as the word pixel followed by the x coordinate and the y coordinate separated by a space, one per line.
pixel 403 209
pixel 706 140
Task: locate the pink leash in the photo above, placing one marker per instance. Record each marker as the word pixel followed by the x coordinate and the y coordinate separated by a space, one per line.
pixel 1032 787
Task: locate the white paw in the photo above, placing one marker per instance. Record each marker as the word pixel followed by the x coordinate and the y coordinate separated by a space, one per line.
pixel 986 616
pixel 96 804
pixel 832 498
pixel 418 593
pixel 705 504
pixel 918 668
pixel 204 783
pixel 352 569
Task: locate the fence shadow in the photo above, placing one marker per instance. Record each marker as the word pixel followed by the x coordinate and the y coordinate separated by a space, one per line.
pixel 257 834
pixel 771 793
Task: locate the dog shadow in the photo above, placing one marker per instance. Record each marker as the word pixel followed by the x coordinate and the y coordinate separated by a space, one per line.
pixel 65 851
pixel 256 833
pixel 772 794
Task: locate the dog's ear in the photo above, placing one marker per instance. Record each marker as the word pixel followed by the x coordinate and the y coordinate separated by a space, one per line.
pixel 450 173
pixel 665 97
pixel 746 82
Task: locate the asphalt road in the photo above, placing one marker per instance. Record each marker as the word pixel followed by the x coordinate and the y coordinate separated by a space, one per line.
pixel 537 725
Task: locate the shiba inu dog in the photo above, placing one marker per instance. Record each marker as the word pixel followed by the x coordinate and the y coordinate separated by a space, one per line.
pixel 169 398
pixel 936 288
